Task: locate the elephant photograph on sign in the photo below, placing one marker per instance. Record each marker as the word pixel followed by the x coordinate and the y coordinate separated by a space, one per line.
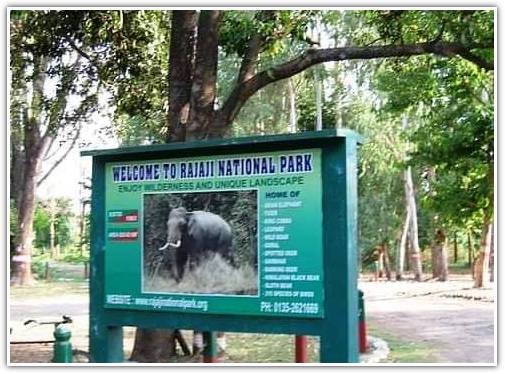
pixel 200 243
pixel 192 236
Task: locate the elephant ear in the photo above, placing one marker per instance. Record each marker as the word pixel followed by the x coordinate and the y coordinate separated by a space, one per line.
pixel 188 228
pixel 189 216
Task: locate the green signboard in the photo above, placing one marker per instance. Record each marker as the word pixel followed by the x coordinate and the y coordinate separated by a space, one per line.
pixel 272 265
pixel 250 234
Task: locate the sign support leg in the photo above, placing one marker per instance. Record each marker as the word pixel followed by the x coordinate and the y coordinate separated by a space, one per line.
pixel 106 344
pixel 210 350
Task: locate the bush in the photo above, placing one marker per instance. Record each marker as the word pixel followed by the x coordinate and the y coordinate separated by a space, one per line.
pixel 39 261
pixel 75 257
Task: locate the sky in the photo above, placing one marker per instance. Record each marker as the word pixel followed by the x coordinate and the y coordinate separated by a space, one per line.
pixel 64 180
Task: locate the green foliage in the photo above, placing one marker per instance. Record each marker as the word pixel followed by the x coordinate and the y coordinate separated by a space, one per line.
pixel 448 102
pixel 75 257
pixel 41 227
pixel 449 106
pixel 140 75
pixel 380 186
pixel 37 36
pixel 38 266
pixel 60 212
pixel 127 50
pixel 411 26
pixel 239 26
pixel 306 102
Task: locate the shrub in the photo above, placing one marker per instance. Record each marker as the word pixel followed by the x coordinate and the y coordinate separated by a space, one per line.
pixel 39 261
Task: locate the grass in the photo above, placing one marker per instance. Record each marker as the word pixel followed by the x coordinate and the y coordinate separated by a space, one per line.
pixel 260 348
pixel 402 350
pixel 64 279
pixel 459 268
pixel 212 276
pixel 266 348
pixel 270 348
pixel 44 288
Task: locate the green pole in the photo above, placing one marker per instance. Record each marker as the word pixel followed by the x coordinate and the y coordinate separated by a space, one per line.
pixel 62 346
pixel 210 351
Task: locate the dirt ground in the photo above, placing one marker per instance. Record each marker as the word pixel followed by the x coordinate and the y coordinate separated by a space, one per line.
pixel 452 317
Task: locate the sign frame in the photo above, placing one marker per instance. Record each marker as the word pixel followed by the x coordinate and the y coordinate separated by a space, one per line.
pixel 338 329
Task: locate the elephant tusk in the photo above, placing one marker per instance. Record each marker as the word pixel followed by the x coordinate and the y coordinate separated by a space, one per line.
pixel 164 247
pixel 176 245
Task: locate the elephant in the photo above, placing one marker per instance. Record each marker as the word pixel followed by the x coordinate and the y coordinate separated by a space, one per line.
pixel 193 235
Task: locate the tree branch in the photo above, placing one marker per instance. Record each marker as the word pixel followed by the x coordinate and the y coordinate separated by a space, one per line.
pixel 254 47
pixel 49 146
pixel 81 53
pixel 60 160
pixel 79 50
pixel 56 112
pixel 243 91
pixel 249 60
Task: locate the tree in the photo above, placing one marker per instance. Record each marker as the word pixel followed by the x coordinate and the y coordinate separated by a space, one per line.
pixel 193 114
pixel 453 144
pixel 52 224
pixel 106 40
pixel 52 93
pixel 194 107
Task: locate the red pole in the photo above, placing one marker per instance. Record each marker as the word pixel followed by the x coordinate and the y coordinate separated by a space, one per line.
pixel 210 359
pixel 363 342
pixel 301 349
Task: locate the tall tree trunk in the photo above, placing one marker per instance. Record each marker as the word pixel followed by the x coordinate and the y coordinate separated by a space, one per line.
pixel 192 92
pixel 402 249
pixel 385 258
pixel 407 252
pixel 159 345
pixel 21 272
pixel 414 241
pixel 319 101
pixel 17 168
pixel 153 345
pixel 180 72
pixel 292 107
pixel 440 269
pixel 52 218
pixel 470 250
pixel 455 258
pixel 82 227
pixel 482 263
pixel 491 259
pixel 203 91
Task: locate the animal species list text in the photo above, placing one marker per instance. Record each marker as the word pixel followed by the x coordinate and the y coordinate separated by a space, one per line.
pixel 287 285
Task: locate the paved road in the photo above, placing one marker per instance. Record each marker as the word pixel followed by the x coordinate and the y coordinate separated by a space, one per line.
pixel 442 315
pixel 49 307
